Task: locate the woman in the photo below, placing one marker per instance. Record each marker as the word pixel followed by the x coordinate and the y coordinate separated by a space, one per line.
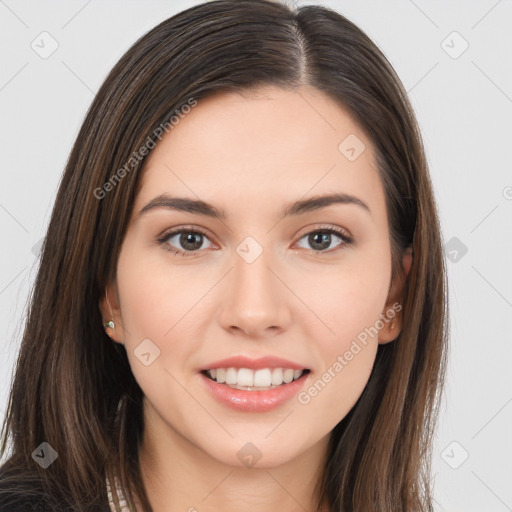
pixel 241 302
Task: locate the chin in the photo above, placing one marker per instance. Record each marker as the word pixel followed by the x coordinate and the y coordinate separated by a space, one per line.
pixel 259 451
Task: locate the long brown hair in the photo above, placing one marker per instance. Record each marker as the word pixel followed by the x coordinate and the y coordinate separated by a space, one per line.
pixel 73 388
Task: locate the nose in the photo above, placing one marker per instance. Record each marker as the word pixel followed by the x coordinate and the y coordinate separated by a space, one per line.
pixel 255 300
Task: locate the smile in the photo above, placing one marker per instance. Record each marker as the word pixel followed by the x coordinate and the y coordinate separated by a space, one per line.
pixel 254 380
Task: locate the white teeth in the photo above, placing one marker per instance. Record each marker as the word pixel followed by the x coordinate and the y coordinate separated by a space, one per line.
pixel 245 378
pixel 277 376
pixel 288 376
pixel 262 378
pixel 231 375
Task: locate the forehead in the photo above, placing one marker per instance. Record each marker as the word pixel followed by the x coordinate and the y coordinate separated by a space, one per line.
pixel 269 144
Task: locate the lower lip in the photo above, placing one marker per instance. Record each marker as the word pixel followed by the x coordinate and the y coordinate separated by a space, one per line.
pixel 254 401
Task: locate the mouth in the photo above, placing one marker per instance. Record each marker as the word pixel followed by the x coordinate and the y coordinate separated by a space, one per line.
pixel 247 379
pixel 254 384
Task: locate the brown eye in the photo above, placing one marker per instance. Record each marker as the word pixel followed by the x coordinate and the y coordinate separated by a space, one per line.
pixel 321 239
pixel 186 243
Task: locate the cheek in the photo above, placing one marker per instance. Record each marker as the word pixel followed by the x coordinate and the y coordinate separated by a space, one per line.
pixel 345 302
pixel 158 305
pixel 155 296
pixel 334 391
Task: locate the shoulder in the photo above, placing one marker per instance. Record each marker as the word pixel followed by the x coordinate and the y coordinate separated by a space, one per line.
pixel 13 501
pixel 27 495
pixel 18 497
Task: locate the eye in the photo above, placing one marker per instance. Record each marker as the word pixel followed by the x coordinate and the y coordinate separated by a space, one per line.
pixel 320 239
pixel 190 239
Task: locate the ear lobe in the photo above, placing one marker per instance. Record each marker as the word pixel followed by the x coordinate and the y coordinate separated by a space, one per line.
pixel 110 312
pixel 393 325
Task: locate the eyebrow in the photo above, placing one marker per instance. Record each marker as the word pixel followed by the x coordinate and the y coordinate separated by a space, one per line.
pixel 199 207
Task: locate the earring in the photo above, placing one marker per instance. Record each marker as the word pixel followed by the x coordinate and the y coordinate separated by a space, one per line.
pixel 391 326
pixel 110 323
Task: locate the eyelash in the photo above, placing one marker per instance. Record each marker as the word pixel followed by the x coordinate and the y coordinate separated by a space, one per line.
pixel 322 229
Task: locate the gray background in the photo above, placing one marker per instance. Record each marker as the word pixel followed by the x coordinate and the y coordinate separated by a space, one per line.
pixel 463 101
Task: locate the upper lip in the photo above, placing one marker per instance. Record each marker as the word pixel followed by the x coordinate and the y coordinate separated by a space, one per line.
pixel 254 364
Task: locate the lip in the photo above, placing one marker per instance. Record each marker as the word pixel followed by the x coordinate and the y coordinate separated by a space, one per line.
pixel 254 364
pixel 254 401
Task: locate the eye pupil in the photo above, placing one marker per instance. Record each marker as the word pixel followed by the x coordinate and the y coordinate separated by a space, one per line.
pixel 188 237
pixel 324 239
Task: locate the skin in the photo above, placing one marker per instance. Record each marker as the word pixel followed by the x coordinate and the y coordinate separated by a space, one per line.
pixel 297 300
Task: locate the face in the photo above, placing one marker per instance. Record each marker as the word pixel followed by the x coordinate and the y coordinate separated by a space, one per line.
pixel 309 285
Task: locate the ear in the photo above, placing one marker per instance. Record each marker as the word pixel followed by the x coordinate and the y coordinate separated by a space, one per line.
pixel 110 311
pixel 393 326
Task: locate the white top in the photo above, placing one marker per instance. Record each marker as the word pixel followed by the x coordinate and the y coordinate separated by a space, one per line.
pixel 122 500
